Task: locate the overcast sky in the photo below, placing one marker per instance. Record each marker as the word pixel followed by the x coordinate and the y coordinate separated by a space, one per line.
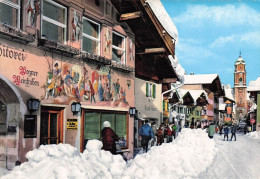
pixel 212 33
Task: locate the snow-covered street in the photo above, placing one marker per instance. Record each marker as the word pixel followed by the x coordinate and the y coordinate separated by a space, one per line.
pixel 191 155
pixel 235 159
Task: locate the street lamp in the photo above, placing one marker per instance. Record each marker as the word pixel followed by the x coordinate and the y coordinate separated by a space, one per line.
pixel 75 108
pixel 33 105
pixel 132 111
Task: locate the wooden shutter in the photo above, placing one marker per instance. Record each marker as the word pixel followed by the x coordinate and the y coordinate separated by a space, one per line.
pixel 147 89
pixel 154 90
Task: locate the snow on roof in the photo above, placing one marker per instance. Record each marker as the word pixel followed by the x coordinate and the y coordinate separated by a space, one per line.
pixel 179 70
pixel 254 85
pixel 199 79
pixel 229 94
pixel 195 94
pixel 222 106
pixel 164 18
pixel 240 60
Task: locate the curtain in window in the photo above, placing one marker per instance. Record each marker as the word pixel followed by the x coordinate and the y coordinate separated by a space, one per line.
pixel 92 126
pixel 121 126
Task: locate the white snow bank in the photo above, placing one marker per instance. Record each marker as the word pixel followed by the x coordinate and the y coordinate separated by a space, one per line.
pixel 64 161
pixel 255 135
pixel 189 155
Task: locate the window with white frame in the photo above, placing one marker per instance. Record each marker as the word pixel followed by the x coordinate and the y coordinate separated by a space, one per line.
pixel 91 36
pixel 118 48
pixel 150 90
pixel 54 18
pixel 10 12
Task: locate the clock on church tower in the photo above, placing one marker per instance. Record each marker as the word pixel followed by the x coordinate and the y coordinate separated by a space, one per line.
pixel 240 87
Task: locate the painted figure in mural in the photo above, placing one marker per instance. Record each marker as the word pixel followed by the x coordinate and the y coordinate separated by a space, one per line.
pixel 108 41
pixel 117 89
pixel 33 10
pixel 100 89
pixel 92 92
pixel 82 86
pixel 68 83
pixel 56 70
pixel 131 50
pixel 50 85
pixel 60 86
pixel 95 87
pixel 107 95
pixel 76 26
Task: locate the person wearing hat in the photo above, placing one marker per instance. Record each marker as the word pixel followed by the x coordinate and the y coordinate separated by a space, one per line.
pixel 109 138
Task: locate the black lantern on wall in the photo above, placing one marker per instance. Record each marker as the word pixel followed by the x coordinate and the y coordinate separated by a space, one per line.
pixel 75 108
pixel 33 105
pixel 132 111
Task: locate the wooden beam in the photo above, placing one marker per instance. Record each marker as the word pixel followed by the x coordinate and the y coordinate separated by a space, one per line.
pixel 169 80
pixel 152 51
pixel 131 15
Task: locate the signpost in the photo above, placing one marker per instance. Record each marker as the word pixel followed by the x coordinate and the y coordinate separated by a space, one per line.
pixel 252 122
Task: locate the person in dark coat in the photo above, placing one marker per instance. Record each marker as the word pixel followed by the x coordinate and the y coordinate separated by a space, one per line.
pixel 220 129
pixel 168 132
pixel 109 138
pixel 245 129
pixel 233 132
pixel 226 131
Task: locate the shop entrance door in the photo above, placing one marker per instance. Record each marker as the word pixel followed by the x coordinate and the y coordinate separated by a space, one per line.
pixel 51 127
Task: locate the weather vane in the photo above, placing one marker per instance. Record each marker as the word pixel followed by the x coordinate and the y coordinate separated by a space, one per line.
pixel 240 53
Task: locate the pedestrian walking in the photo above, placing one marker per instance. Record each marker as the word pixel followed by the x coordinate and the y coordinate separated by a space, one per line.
pixel 233 132
pixel 109 138
pixel 220 129
pixel 160 135
pixel 211 130
pixel 174 130
pixel 245 129
pixel 226 131
pixel 146 133
pixel 168 133
pixel 154 133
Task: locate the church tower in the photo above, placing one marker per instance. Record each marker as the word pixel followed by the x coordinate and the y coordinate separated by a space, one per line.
pixel 240 88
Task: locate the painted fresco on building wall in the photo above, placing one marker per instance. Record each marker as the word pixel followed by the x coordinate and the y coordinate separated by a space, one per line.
pixel 66 82
pixel 107 41
pixel 100 88
pixel 33 10
pixel 63 83
pixel 76 26
pixel 131 50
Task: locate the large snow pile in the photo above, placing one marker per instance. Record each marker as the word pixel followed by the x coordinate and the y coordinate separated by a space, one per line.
pixel 187 156
pixel 64 161
pixel 255 135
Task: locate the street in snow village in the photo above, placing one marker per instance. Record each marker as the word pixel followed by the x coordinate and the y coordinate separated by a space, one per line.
pixel 129 89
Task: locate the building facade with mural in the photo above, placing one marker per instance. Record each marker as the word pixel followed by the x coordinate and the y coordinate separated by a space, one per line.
pixel 59 53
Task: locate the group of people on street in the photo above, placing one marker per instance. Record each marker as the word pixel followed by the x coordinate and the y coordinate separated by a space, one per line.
pixel 227 130
pixel 157 136
pixel 165 133
pixel 212 129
